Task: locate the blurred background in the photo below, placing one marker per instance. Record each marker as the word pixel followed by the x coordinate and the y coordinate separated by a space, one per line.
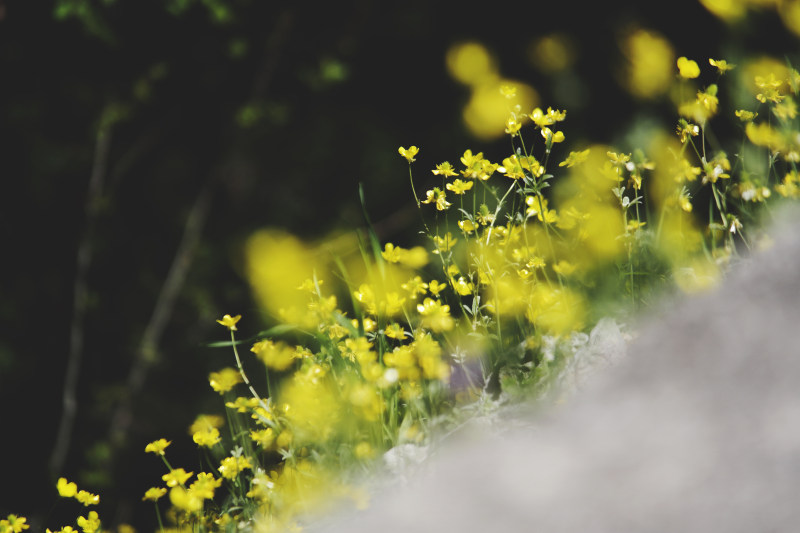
pixel 142 142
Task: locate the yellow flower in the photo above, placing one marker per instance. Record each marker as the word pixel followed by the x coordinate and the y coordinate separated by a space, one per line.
pixel 207 437
pixel 224 380
pixel 462 286
pixel 65 488
pixel 231 466
pixel 785 110
pixel 459 187
pixel 395 331
pixel 688 69
pixel 154 493
pixel 436 196
pixel 264 437
pixel 176 477
pixel 230 321
pixel 575 158
pixel 512 126
pixel 204 486
pixel 508 91
pixel 14 523
pixel 436 315
pixel 444 169
pixel 686 130
pixel 444 244
pixel 185 500
pixel 467 226
pixel 277 356
pixel 764 135
pixel 415 286
pixel 435 287
pixel 722 65
pixel 552 137
pixel 90 524
pixel 87 498
pixel 157 446
pixel 204 422
pixel 409 153
pixel 542 119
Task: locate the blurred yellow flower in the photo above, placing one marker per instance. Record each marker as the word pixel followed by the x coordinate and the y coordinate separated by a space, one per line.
pixel 87 498
pixel 722 65
pixel 177 476
pixel 230 321
pixel 688 68
pixel 157 446
pixel 154 493
pixel 224 380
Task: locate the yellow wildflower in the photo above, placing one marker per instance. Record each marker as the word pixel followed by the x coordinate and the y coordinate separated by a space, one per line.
pixel 277 356
pixel 185 500
pixel 395 331
pixel 264 437
pixel 436 196
pixel 87 498
pixel 722 65
pixel 436 315
pixel 745 116
pixel 409 153
pixel 207 437
pixel 513 125
pixel 687 68
pixel 444 244
pixel 176 477
pixel 224 380
pixel 230 321
pixel 415 286
pixel 435 287
pixel 467 226
pixel 157 446
pixel 231 466
pixel 444 169
pixel 204 486
pixel 508 91
pixel 89 524
pixel 462 286
pixel 575 158
pixel 66 489
pixel 551 137
pixel 154 493
pixel 459 187
pixel 14 523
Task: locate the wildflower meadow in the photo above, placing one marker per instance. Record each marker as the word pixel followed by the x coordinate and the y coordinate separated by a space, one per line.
pixel 360 347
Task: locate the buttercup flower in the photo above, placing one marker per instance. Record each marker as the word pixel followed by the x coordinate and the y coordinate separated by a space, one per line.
pixel 154 493
pixel 687 68
pixel 409 153
pixel 87 498
pixel 722 65
pixel 157 446
pixel 230 321
pixel 65 488
pixel 444 169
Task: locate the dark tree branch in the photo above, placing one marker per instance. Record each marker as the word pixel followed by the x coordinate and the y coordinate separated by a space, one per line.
pixel 79 305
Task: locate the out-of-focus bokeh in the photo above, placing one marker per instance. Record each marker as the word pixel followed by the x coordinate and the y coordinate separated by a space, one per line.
pixel 156 155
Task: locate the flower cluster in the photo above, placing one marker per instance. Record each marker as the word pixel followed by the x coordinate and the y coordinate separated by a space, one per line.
pixel 515 260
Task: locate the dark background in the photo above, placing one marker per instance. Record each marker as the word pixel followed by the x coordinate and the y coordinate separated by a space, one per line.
pixel 333 87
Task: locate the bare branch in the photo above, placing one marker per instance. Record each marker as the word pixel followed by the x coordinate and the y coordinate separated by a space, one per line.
pixel 79 305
